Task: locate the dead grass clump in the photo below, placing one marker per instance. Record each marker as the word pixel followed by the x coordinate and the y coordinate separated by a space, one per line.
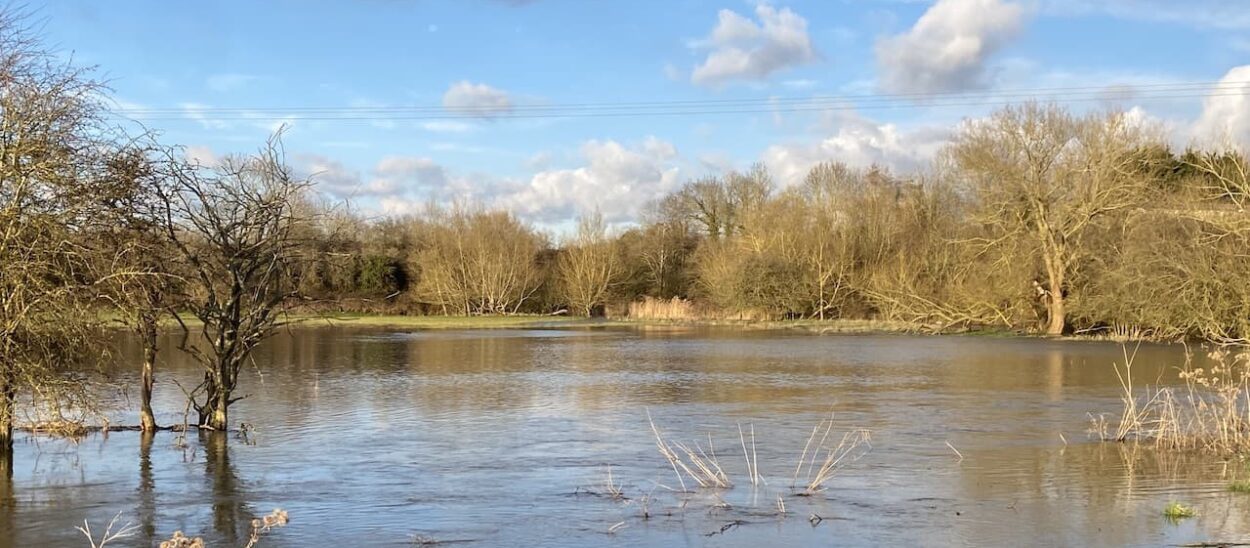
pixel 1210 412
pixel 699 465
pixel 180 540
pixel 260 526
pixel 108 535
pixel 852 445
pixel 821 458
pixel 613 489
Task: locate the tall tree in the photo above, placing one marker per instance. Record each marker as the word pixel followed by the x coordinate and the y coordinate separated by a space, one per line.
pixel 589 266
pixel 1045 176
pixel 50 137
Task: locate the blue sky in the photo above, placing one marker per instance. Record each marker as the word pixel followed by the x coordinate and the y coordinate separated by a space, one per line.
pixel 473 65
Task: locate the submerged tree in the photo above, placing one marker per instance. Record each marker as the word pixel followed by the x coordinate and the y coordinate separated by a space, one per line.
pixel 135 250
pixel 50 138
pixel 233 225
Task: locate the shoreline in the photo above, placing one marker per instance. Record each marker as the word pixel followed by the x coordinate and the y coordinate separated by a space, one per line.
pixel 836 326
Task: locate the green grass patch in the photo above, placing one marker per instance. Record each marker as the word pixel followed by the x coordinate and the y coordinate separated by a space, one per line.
pixel 1177 511
pixel 1242 486
pixel 432 322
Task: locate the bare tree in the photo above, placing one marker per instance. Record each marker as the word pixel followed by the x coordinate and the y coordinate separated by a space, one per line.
pixel 719 205
pixel 50 135
pixel 1044 176
pixel 589 266
pixel 233 226
pixel 479 262
pixel 136 260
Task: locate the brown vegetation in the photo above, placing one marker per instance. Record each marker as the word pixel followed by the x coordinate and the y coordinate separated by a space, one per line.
pixel 1210 412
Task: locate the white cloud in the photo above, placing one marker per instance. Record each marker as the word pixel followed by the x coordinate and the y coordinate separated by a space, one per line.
pixel 478 100
pixel 393 179
pixel 858 142
pixel 201 155
pixel 949 46
pixel 742 49
pixel 616 179
pixel 1226 112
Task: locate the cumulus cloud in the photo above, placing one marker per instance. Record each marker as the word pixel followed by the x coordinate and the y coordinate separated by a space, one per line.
pixel 616 179
pixel 858 142
pixel 392 180
pixel 478 100
pixel 742 49
pixel 1226 113
pixel 201 155
pixel 948 48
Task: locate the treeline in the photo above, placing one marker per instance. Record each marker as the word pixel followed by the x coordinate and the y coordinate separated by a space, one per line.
pixel 1035 218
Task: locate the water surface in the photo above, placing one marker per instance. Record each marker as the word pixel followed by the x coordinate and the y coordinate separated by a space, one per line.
pixel 501 438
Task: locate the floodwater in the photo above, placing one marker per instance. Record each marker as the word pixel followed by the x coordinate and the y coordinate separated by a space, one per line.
pixel 504 438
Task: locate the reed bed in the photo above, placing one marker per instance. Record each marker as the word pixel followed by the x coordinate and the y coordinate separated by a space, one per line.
pixel 662 309
pixel 1209 412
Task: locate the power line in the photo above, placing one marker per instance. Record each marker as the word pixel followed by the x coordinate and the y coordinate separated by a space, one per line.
pixel 1140 93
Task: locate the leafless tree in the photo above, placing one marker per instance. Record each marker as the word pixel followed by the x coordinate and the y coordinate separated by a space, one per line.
pixel 1045 176
pixel 233 226
pixel 50 136
pixel 479 262
pixel 589 265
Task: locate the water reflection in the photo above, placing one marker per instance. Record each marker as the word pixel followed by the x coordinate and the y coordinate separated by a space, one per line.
pixel 231 513
pixel 147 490
pixel 370 437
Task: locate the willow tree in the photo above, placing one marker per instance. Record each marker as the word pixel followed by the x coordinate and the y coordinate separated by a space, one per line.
pixel 1045 177
pixel 233 225
pixel 50 135
pixel 479 262
pixel 589 266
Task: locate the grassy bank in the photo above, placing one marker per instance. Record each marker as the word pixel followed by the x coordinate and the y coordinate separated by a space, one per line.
pixel 534 321
pixel 435 322
pixel 531 321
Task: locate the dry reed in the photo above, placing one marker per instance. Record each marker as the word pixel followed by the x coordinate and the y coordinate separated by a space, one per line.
pixel 659 309
pixel 753 460
pixel 821 459
pixel 1210 412
pixel 853 445
pixel 109 535
pixel 701 466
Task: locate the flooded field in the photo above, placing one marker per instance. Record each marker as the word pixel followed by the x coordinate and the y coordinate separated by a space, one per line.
pixel 504 438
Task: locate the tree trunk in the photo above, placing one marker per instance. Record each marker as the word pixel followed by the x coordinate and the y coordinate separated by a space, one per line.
pixel 8 400
pixel 1056 315
pixel 147 420
pixel 218 407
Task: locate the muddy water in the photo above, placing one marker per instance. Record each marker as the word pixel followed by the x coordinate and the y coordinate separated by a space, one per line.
pixel 502 438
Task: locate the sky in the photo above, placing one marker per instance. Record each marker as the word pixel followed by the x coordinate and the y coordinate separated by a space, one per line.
pixel 553 109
